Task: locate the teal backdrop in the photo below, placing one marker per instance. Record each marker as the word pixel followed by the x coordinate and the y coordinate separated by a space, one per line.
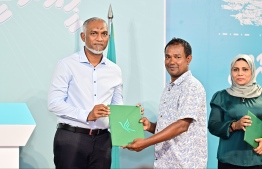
pixel 35 34
pixel 217 31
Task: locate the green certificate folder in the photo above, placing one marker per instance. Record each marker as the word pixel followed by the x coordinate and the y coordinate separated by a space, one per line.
pixel 254 131
pixel 124 124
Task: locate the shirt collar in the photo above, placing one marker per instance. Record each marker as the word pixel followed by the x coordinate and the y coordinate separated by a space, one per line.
pixel 182 78
pixel 83 58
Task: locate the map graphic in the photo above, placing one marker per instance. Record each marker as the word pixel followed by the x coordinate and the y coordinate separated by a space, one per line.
pixel 247 12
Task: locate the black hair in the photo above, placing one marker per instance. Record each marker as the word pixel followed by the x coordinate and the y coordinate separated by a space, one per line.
pixel 242 59
pixel 178 41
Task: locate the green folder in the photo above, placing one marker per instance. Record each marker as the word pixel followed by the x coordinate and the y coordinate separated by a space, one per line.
pixel 254 131
pixel 124 124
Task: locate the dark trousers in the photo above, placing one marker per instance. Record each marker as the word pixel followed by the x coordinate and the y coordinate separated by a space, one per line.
pixel 82 151
pixel 230 166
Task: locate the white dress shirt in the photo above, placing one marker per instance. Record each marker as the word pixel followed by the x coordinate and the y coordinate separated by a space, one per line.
pixel 77 86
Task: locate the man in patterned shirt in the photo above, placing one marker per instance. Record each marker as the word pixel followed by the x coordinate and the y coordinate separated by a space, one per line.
pixel 180 133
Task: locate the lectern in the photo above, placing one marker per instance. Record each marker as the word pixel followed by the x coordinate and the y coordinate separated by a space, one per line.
pixel 16 126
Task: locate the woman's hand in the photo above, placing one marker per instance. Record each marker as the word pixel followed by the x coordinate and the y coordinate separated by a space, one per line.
pixel 258 150
pixel 242 123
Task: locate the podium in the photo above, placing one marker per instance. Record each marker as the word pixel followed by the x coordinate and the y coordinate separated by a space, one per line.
pixel 16 126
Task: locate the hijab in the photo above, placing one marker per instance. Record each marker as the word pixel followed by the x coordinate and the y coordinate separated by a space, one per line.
pixel 249 90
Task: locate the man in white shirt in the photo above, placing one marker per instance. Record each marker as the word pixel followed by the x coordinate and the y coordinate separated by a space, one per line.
pixel 83 85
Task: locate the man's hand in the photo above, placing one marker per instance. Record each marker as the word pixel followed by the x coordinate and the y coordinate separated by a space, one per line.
pixel 146 123
pixel 98 111
pixel 141 108
pixel 137 145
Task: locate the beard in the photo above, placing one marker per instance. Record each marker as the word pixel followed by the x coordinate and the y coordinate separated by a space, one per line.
pixel 96 52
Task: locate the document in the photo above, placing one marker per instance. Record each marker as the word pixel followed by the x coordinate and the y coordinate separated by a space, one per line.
pixel 124 124
pixel 254 131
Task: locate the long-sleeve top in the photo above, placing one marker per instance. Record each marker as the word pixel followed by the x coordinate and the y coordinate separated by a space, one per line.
pixel 225 109
pixel 77 86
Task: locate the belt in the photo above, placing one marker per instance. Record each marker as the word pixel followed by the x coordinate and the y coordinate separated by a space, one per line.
pixel 81 130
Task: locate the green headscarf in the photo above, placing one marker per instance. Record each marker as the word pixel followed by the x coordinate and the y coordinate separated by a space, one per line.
pixel 250 90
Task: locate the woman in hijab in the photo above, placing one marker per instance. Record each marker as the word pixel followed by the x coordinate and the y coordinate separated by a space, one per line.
pixel 228 117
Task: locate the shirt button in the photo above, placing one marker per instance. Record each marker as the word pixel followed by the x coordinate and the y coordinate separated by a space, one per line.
pixel 94 81
pixel 95 94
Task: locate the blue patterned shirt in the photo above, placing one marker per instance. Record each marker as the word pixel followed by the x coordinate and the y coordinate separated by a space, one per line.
pixel 183 98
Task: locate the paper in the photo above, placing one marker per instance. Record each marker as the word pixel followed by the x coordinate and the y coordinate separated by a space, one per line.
pixel 254 131
pixel 124 124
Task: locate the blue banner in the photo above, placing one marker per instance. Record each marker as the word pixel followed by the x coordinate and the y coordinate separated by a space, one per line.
pixel 217 32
